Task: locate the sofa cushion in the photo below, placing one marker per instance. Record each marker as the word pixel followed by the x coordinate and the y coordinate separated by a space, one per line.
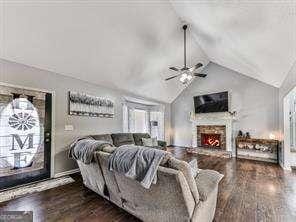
pixel 104 137
pixel 109 149
pixel 120 139
pixel 149 142
pixel 206 182
pixel 162 143
pixel 138 138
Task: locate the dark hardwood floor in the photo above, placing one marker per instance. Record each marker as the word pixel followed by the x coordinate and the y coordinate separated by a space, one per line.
pixel 250 191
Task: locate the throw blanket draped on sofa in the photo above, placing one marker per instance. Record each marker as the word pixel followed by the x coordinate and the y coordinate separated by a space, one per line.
pixel 83 149
pixel 137 162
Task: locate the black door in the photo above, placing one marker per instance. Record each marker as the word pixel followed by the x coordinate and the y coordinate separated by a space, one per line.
pixel 25 136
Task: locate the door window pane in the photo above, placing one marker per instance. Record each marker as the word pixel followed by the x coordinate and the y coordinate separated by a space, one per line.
pixel 20 135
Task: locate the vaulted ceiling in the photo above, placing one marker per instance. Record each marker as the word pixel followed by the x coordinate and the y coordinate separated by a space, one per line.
pixel 255 38
pixel 129 45
pixel 119 44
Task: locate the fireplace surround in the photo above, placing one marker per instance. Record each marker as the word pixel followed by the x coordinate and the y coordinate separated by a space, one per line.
pixel 213 123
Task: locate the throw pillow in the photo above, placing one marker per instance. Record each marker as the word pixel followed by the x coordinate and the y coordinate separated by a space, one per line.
pixel 193 167
pixel 150 142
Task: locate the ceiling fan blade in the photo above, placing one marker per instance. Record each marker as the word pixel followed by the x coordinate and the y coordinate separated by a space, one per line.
pixel 198 65
pixel 174 68
pixel 200 75
pixel 171 77
pixel 184 69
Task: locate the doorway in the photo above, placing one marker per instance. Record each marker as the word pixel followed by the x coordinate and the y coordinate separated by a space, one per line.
pixel 25 135
pixel 289 147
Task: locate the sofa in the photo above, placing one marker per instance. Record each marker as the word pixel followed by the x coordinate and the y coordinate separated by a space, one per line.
pixel 118 139
pixel 177 196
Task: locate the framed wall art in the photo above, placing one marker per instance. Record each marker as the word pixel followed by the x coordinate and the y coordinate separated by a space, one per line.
pixel 81 104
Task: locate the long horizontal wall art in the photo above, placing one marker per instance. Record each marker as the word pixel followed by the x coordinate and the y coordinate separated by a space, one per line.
pixel 81 104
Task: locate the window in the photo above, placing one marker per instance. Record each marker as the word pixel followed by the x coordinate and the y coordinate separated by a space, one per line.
pixel 140 118
pixel 141 121
pixel 135 120
pixel 292 121
pixel 138 121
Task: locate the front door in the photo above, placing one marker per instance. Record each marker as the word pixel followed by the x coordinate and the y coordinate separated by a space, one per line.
pixel 25 136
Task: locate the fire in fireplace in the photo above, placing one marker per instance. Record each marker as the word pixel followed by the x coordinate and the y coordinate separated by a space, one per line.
pixel 211 140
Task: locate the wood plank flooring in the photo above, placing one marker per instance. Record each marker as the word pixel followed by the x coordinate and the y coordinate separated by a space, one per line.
pixel 250 191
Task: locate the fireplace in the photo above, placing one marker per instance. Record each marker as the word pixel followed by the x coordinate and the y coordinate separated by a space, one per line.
pixel 211 140
pixel 213 123
pixel 211 136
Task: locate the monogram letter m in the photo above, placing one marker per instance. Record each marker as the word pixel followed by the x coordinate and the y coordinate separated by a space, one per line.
pixel 21 144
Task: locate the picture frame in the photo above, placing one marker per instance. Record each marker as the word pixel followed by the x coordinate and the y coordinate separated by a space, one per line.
pixel 82 104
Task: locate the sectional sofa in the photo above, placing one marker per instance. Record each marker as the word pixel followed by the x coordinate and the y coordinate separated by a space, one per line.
pixel 176 197
pixel 118 139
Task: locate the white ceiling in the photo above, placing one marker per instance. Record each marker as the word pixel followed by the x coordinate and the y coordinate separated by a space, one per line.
pixel 130 45
pixel 255 38
pixel 127 46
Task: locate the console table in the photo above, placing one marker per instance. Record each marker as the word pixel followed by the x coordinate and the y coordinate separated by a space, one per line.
pixel 257 149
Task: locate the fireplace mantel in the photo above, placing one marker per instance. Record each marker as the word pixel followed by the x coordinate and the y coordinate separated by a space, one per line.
pixel 208 119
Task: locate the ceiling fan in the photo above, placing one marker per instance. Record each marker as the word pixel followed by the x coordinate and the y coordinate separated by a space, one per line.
pixel 186 73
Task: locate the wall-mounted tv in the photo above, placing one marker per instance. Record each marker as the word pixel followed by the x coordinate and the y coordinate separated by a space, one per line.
pixel 210 103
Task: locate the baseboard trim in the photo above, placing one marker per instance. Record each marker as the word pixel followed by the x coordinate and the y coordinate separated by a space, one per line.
pixel 183 147
pixel 285 167
pixel 65 173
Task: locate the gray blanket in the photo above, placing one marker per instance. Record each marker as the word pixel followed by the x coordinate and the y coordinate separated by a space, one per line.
pixel 137 162
pixel 83 149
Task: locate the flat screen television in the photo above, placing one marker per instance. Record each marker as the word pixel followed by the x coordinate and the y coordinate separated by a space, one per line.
pixel 210 103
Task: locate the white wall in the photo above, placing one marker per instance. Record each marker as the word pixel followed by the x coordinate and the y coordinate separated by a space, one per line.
pixel 289 158
pixel 18 74
pixel 256 103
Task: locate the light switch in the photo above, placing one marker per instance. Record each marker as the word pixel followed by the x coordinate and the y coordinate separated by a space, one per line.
pixel 69 127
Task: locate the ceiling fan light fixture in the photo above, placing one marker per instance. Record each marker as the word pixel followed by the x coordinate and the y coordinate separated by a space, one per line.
pixel 185 78
pixel 186 74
